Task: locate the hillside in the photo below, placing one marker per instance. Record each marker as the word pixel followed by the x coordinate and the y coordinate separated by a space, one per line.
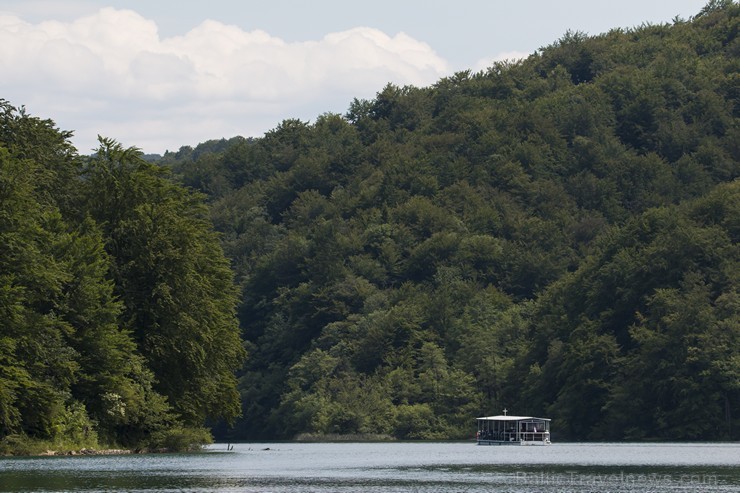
pixel 556 235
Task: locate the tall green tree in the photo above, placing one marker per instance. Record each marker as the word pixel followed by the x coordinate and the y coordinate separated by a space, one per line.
pixel 172 278
pixel 71 372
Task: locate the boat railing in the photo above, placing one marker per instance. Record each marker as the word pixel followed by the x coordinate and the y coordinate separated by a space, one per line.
pixel 534 436
pixel 500 436
pixel 513 436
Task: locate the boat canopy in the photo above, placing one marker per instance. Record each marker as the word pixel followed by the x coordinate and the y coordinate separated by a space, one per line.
pixel 503 417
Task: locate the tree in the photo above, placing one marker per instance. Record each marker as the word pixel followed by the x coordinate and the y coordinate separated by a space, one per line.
pixel 174 282
pixel 63 351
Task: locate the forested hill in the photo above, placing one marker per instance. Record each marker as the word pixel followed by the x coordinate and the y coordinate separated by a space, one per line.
pixel 557 236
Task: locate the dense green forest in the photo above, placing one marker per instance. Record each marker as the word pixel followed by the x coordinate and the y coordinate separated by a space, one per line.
pixel 556 235
pixel 117 304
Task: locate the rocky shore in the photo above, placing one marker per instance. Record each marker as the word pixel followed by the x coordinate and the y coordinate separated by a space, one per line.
pixel 90 451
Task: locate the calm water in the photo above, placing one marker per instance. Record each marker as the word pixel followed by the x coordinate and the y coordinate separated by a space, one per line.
pixel 389 467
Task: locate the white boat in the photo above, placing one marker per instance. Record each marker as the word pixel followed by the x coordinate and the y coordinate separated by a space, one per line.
pixel 513 430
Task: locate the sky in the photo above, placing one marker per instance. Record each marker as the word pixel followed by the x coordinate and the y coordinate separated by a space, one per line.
pixel 160 74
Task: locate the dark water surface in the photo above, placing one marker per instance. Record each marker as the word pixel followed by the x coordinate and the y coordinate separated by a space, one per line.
pixel 389 467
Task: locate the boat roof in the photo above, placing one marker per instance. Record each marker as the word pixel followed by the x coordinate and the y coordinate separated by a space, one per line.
pixel 509 417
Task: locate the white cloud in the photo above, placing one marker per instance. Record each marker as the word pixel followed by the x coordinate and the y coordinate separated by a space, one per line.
pixel 111 73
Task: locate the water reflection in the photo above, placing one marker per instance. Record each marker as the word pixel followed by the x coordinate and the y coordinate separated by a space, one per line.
pixel 389 467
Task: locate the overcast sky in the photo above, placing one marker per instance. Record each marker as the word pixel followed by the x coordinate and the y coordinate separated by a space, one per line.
pixel 159 74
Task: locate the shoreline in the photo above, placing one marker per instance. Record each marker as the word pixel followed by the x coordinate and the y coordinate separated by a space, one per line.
pixel 85 451
pixel 94 452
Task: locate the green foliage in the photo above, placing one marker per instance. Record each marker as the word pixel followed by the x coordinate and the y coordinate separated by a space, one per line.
pixel 74 366
pixel 170 274
pixel 181 439
pixel 500 239
pixel 641 337
pixel 17 444
pixel 73 429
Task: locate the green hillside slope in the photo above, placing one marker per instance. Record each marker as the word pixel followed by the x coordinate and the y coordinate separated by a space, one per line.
pixel 557 236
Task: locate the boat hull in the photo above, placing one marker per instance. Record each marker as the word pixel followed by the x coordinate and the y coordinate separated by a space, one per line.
pixel 514 442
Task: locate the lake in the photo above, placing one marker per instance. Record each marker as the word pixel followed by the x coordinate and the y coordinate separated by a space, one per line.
pixel 389 467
